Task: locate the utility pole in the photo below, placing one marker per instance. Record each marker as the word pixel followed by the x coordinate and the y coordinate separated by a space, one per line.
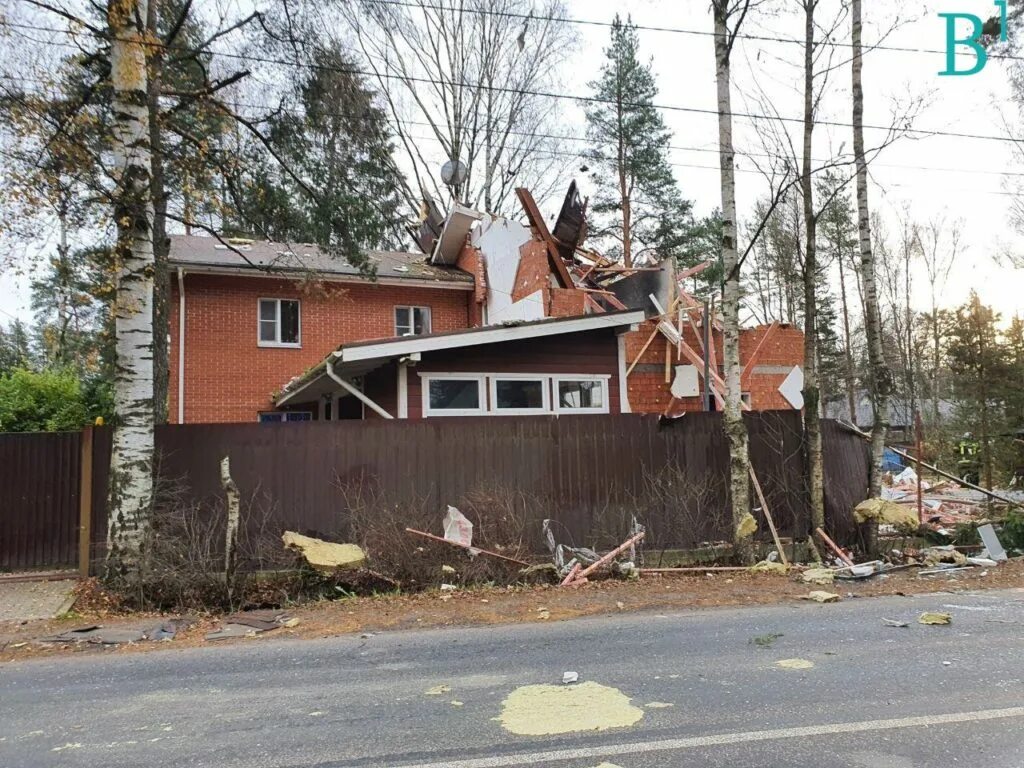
pixel 707 354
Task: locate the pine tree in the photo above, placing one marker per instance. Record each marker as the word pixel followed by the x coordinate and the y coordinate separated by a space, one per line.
pixel 340 141
pixel 981 371
pixel 14 348
pixel 637 205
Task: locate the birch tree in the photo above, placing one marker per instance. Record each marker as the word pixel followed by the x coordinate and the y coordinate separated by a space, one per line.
pixel 723 13
pixel 131 464
pixel 940 249
pixel 880 378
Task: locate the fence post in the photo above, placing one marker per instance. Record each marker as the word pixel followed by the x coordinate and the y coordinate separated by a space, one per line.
pixel 85 503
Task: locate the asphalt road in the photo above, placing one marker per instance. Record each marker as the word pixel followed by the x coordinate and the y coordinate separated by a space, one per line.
pixel 876 696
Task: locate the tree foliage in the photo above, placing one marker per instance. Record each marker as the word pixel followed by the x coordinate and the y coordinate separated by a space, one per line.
pixel 637 204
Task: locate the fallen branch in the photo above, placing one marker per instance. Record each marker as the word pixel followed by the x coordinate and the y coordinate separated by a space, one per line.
pixel 471 549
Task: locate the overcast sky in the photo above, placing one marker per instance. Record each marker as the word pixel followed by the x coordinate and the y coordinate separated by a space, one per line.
pixel 929 176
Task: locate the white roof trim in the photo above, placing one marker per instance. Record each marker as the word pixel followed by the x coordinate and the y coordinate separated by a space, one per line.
pixel 453 235
pixel 477 337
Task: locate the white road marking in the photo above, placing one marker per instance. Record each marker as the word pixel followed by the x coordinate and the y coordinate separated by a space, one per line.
pixel 742 737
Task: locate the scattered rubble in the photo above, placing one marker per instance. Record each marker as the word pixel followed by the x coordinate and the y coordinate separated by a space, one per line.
pixel 100 635
pixel 820 596
pixel 325 555
pixel 934 618
pixel 251 623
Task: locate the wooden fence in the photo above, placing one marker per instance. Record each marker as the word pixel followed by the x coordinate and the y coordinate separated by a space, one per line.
pixel 589 473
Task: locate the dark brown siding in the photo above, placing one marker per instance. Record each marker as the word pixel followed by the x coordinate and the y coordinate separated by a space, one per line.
pixel 590 352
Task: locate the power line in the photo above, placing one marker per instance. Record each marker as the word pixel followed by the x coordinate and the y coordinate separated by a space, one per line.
pixel 923 132
pixel 527 17
pixel 584 139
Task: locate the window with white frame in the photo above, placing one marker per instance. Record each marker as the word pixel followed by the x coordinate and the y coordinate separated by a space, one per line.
pixel 511 394
pixel 412 321
pixel 453 395
pixel 279 323
pixel 272 417
pixel 581 394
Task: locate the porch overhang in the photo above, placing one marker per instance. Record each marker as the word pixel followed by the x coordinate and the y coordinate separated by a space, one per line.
pixel 360 358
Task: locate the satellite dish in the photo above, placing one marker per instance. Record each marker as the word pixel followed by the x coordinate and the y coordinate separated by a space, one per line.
pixel 453 173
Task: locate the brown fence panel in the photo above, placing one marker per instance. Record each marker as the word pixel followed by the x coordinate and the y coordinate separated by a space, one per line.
pixel 588 473
pixel 591 474
pixel 39 500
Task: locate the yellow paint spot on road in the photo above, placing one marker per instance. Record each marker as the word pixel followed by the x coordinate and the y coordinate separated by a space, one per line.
pixel 541 710
pixel 794 664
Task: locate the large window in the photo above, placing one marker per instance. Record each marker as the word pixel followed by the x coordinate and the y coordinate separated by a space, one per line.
pixel 449 395
pixel 515 394
pixel 510 394
pixel 581 395
pixel 412 321
pixel 279 323
pixel 272 417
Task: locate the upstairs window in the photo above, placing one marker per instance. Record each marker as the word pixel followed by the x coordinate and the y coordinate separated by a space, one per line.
pixel 279 323
pixel 412 321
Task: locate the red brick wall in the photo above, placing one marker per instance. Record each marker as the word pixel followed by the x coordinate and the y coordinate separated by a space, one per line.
pixel 469 261
pixel 228 377
pixel 648 392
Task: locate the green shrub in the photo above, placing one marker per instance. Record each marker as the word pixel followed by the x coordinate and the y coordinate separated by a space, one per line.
pixel 43 401
pixel 1011 535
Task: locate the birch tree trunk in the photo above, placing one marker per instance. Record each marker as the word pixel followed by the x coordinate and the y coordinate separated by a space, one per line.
pixel 736 430
pixel 812 394
pixel 880 379
pixel 131 463
pixel 851 398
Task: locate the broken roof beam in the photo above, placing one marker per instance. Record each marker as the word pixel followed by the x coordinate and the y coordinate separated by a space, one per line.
pixel 538 225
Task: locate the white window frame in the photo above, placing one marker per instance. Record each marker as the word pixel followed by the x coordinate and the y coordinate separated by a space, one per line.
pixel 604 380
pixel 545 388
pixel 277 324
pixel 412 321
pixel 426 378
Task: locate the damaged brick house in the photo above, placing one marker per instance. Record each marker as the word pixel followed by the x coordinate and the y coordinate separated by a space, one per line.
pixel 492 317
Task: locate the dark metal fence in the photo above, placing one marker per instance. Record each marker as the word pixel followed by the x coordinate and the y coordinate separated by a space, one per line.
pixel 590 473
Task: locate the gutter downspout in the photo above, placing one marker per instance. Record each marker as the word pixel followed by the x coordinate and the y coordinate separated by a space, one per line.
pixel 181 345
pixel 355 392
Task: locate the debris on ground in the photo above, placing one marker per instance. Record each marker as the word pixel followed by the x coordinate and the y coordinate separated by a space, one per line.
pixel 438 690
pixel 769 566
pixel 934 618
pixel 250 624
pixel 570 677
pixel 992 544
pixel 896 623
pixel 585 562
pixel 100 635
pixel 820 576
pixel 886 513
pixel 794 664
pixel 325 555
pixel 458 532
pixel 820 596
pixel 765 641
